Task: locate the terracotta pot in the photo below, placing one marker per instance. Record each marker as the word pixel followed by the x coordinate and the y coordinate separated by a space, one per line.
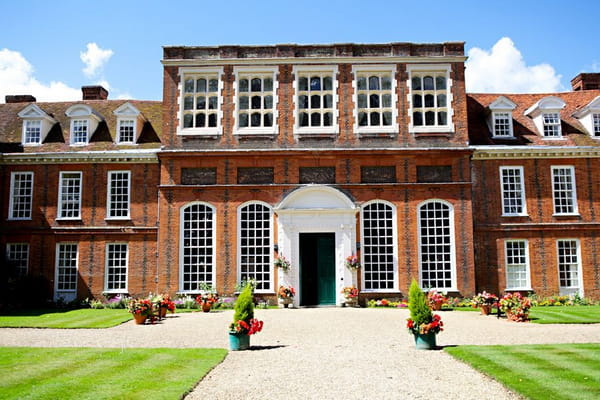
pixel 140 319
pixel 436 307
pixel 486 309
pixel 162 312
pixel 206 307
pixel 286 302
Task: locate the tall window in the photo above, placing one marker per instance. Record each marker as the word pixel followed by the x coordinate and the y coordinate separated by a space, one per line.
pixel 256 100
pixel 255 245
pixel 596 119
pixel 563 190
pixel 66 267
pixel 21 194
pixel 79 131
pixel 517 264
pixel 429 100
pixel 32 132
pixel 513 191
pixel 201 100
pixel 126 131
pixel 315 99
pixel 568 263
pixel 378 251
pixel 197 250
pixel 503 124
pixel 17 255
pixel 116 267
pixel 436 245
pixel 375 99
pixel 69 195
pixel 551 123
pixel 118 194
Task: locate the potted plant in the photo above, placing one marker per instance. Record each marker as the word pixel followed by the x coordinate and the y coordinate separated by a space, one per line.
pixel 423 324
pixel 282 262
pixel 244 324
pixel 207 300
pixel 162 303
pixel 350 295
pixel 286 294
pixel 141 309
pixel 515 306
pixel 436 299
pixel 484 301
pixel 352 262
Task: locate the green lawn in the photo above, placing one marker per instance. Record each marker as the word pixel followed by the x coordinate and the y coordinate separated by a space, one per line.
pixel 561 371
pixel 83 318
pixel 96 373
pixel 565 315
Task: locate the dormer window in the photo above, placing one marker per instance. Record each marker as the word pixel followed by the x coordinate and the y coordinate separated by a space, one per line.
pixel 500 120
pixel 36 125
pixel 546 116
pixel 589 116
pixel 129 121
pixel 84 122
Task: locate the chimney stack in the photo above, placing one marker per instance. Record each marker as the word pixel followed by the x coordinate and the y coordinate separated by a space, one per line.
pixel 586 81
pixel 19 98
pixel 94 93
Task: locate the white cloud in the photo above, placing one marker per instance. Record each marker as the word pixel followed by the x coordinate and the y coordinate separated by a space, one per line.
pixel 17 77
pixel 94 59
pixel 503 70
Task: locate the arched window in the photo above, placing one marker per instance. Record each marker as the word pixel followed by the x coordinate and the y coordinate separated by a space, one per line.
pixel 197 247
pixel 378 246
pixel 255 245
pixel 436 241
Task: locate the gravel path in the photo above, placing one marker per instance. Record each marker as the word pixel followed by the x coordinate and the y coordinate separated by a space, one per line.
pixel 324 353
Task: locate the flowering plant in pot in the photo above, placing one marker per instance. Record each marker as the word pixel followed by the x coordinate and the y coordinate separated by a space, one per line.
pixel 352 262
pixel 423 324
pixel 350 294
pixel 244 324
pixel 141 309
pixel 283 263
pixel 286 294
pixel 436 299
pixel 484 301
pixel 515 306
pixel 207 300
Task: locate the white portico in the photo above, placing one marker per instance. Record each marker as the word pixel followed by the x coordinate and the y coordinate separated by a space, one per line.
pixel 325 217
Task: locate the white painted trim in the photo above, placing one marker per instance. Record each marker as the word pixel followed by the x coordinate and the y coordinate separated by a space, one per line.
pixel 579 267
pixel 261 131
pixel 218 130
pixel 214 239
pixel 70 294
pixel 451 217
pixel 116 291
pixel 8 252
pixel 271 240
pixel 492 124
pixel 527 265
pixel 533 152
pixel 523 197
pixel 60 193
pixel 12 194
pixel 502 104
pixel 135 130
pixel 108 199
pixel 574 191
pixel 129 156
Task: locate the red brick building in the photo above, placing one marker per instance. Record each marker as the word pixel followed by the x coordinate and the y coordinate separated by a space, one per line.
pixel 312 153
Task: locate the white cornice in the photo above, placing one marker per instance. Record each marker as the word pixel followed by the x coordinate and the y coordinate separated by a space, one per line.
pixel 121 157
pixel 189 62
pixel 522 152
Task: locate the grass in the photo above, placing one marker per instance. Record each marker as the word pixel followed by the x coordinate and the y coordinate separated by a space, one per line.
pixel 83 318
pixel 565 315
pixel 96 373
pixel 560 371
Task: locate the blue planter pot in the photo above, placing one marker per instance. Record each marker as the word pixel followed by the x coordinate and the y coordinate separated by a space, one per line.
pixel 425 341
pixel 239 341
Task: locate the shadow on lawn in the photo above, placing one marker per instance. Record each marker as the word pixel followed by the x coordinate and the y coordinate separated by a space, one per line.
pixel 33 312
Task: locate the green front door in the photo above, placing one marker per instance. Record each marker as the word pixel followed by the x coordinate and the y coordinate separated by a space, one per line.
pixel 317 269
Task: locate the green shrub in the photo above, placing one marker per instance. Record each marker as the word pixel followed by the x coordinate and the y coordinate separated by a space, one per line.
pixel 420 312
pixel 244 306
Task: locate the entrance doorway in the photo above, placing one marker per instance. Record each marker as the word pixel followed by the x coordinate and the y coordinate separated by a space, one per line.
pixel 317 269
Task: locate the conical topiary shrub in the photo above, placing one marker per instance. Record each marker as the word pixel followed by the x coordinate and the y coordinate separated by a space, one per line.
pixel 420 313
pixel 244 324
pixel 423 324
pixel 244 307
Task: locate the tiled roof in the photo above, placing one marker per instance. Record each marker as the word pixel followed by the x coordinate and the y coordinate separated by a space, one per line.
pixel 524 128
pixel 11 126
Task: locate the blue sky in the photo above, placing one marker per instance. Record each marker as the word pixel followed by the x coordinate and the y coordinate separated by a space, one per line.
pixel 41 42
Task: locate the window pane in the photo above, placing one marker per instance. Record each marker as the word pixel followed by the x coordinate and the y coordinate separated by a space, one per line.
pixel 268 119
pixel 315 83
pixel 315 119
pixel 315 101
pixel 256 100
pixel 386 82
pixel 268 84
pixel 256 85
pixel 255 119
pixel 416 83
pixel 327 83
pixel 243 85
pixel 442 118
pixel 374 101
pixel 428 83
pixel 417 119
pixel 429 100
pixel 374 119
pixel 200 120
pixel 441 99
pixel 362 101
pixel 362 119
pixel 212 120
pixel 328 119
pixel 244 103
pixel 362 83
pixel 373 83
pixel 189 86
pixel 188 103
pixel 417 100
pixel 303 119
pixel 268 102
pixel 213 85
pixel 387 100
pixel 243 120
pixel 387 118
pixel 328 101
pixel 188 121
pixel 303 83
pixel 200 103
pixel 303 102
pixel 430 118
pixel 440 82
pixel 201 85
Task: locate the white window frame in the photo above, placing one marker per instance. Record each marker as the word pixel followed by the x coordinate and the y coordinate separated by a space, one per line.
pixel 120 124
pixel 75 122
pixel 58 275
pixel 249 72
pixel 551 120
pixel 433 69
pixel 508 266
pixel 563 290
pixel 198 73
pixel 300 71
pixel 268 264
pixel 504 193
pixel 14 196
pixel 108 268
pixel 109 200
pixel 596 125
pixel 212 254
pixel 573 191
pixel 507 115
pixel 377 70
pixel 452 245
pixel 61 194
pixel 19 248
pixel 365 247
pixel 27 132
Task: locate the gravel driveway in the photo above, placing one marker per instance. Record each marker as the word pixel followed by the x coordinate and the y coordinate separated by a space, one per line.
pixel 325 353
